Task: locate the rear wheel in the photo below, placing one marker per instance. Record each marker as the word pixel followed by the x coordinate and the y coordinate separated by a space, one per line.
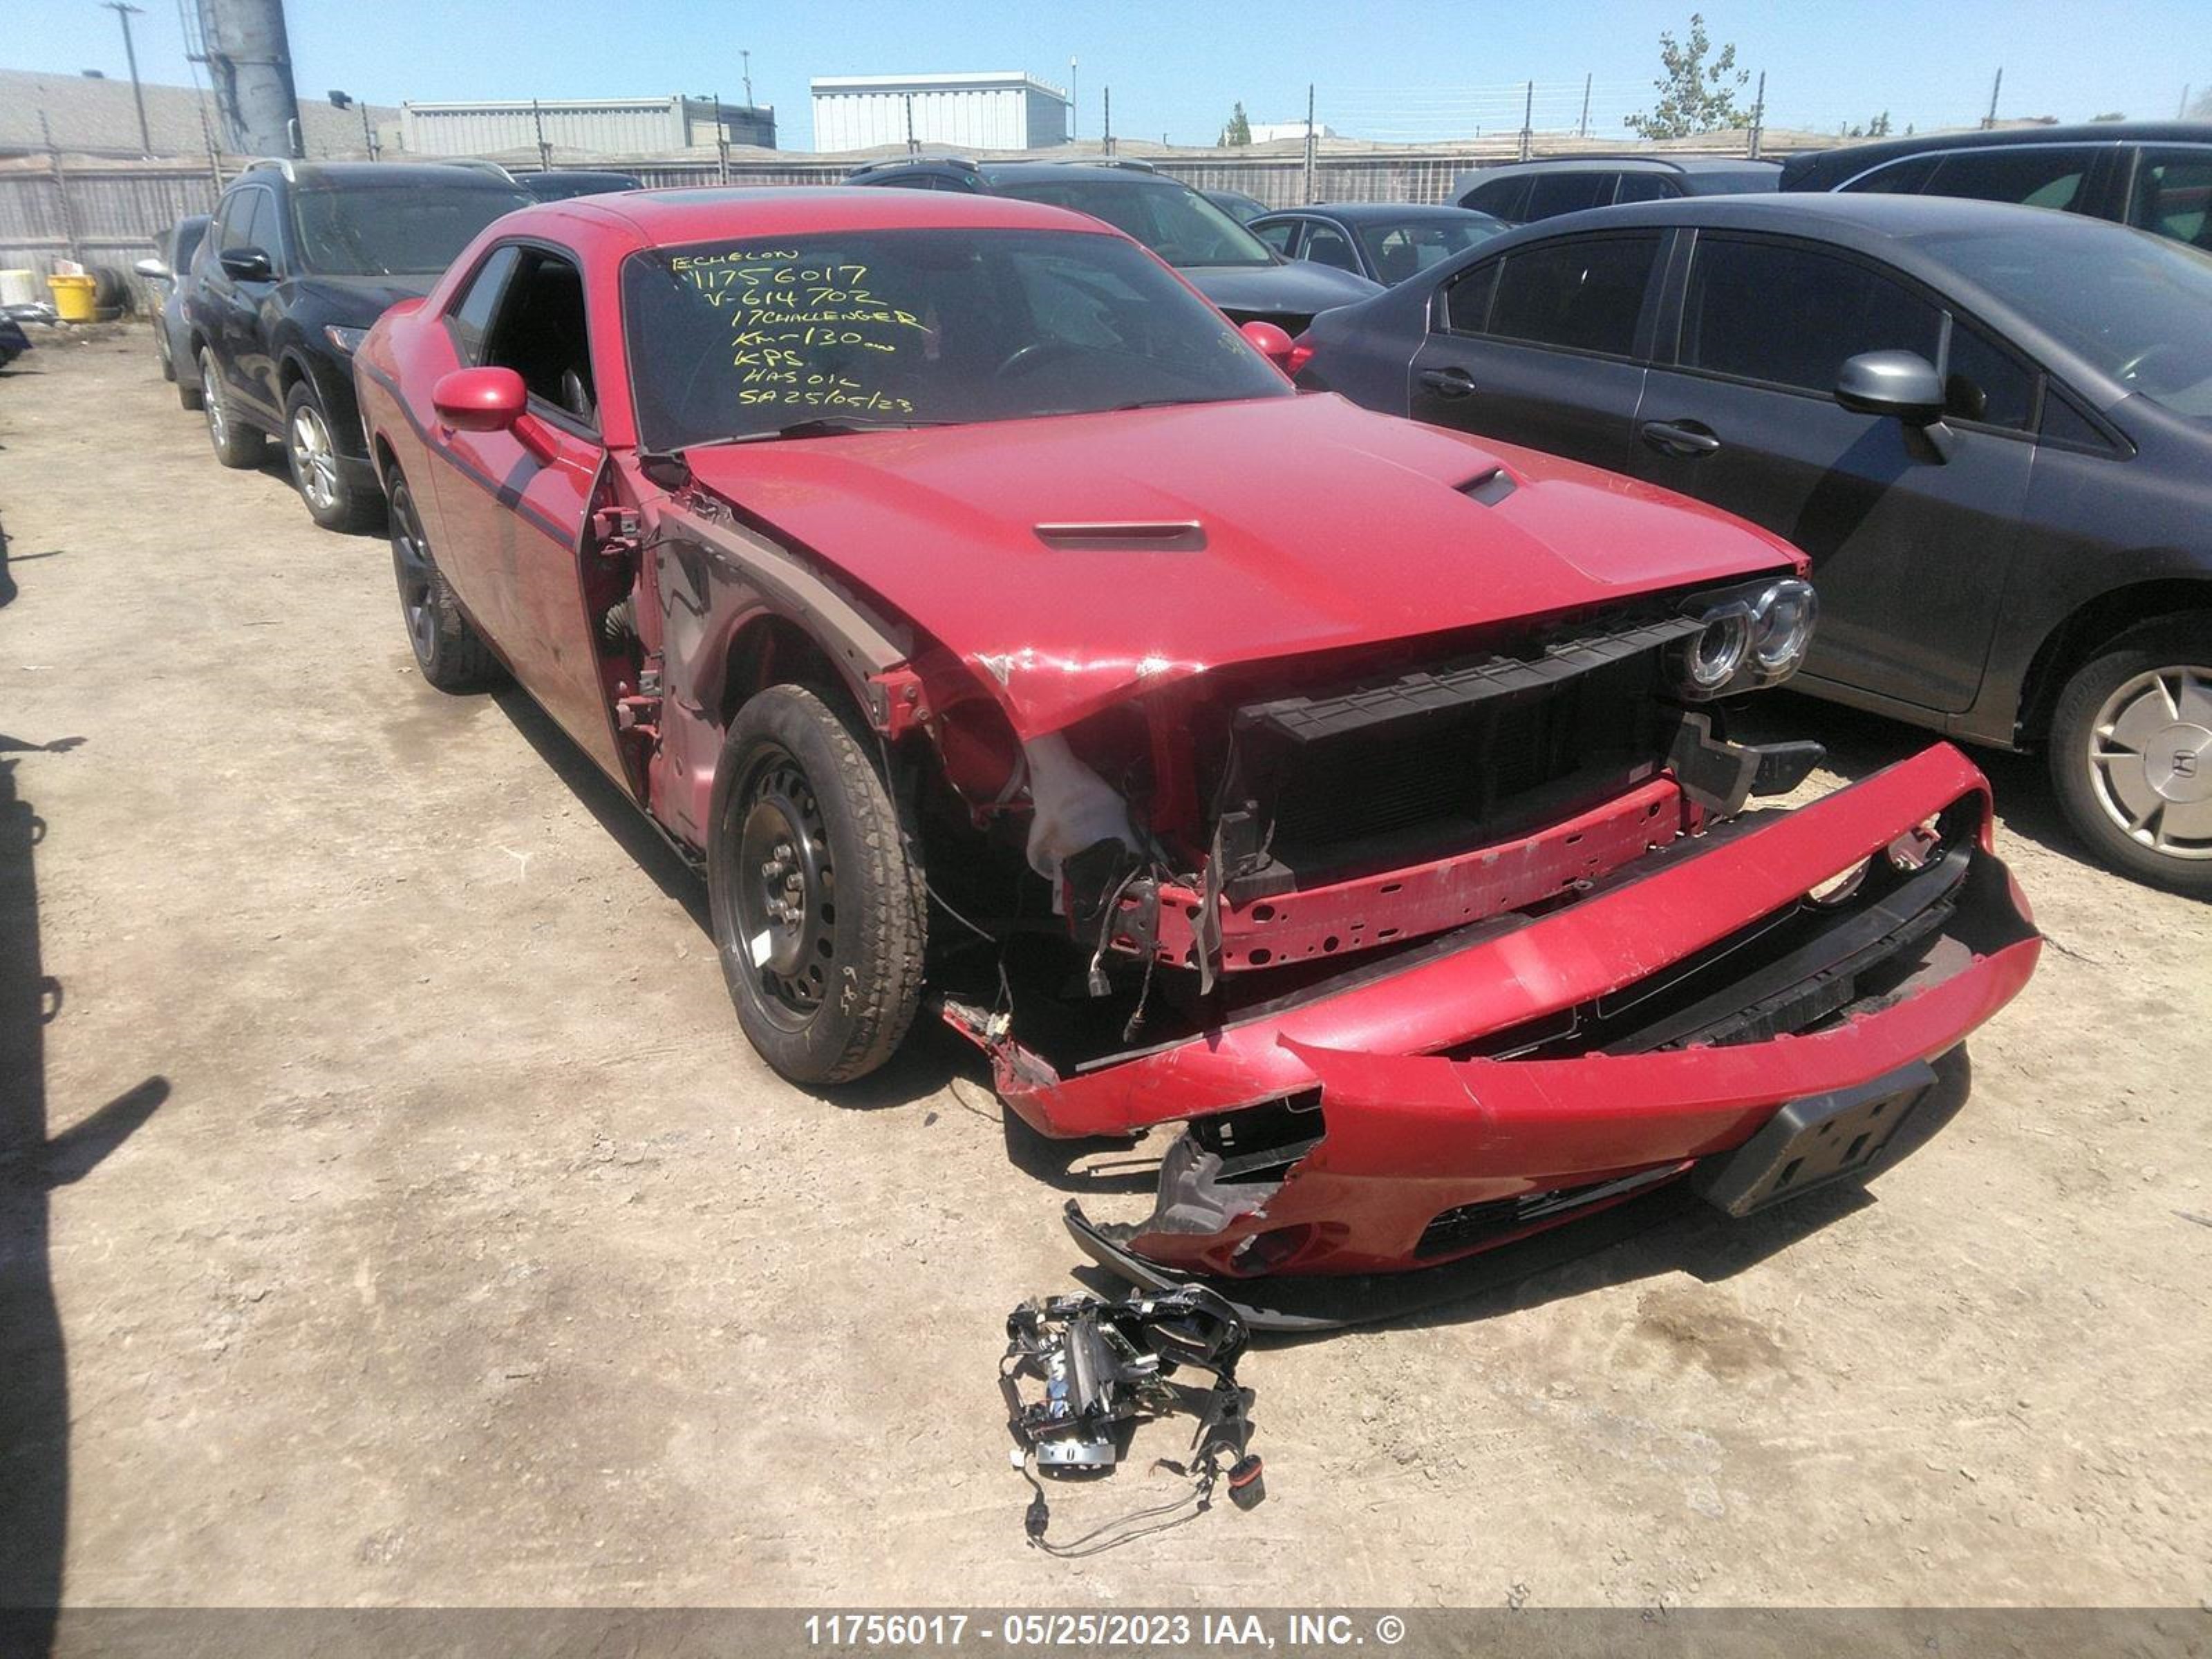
pixel 317 474
pixel 2131 753
pixel 236 445
pixel 817 908
pixel 451 654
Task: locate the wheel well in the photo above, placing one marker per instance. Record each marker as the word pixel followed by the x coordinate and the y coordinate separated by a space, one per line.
pixel 2082 635
pixel 289 374
pixel 775 651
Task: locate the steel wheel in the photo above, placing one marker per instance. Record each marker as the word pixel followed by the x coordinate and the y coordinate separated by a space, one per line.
pixel 410 560
pixel 314 460
pixel 2150 760
pixel 785 890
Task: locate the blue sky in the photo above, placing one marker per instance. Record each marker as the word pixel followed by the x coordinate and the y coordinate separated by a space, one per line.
pixel 1382 69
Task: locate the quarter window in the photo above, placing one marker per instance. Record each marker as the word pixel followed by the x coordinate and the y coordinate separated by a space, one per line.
pixel 1982 382
pixel 1789 317
pixel 1467 302
pixel 1585 294
pixel 1276 237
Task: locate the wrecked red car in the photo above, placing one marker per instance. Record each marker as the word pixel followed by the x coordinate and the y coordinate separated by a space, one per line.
pixel 992 624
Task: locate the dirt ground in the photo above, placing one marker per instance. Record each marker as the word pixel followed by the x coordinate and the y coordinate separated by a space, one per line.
pixel 417 1228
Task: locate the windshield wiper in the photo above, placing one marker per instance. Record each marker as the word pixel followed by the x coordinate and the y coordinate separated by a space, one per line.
pixel 820 425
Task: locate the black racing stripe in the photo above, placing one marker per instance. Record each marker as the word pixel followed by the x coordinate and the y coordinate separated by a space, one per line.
pixel 506 493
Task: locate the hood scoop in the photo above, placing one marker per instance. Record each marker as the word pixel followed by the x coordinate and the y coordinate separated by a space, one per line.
pixel 1134 535
pixel 1489 487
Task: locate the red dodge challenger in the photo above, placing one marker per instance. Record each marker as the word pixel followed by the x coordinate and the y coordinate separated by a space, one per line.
pixel 994 625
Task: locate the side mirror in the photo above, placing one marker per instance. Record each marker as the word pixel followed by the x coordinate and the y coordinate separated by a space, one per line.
pixel 1270 341
pixel 246 264
pixel 480 399
pixel 1902 384
pixel 153 270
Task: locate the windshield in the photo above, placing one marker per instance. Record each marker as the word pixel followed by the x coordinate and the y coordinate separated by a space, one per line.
pixel 2137 306
pixel 1400 251
pixel 736 339
pixel 1179 225
pixel 383 232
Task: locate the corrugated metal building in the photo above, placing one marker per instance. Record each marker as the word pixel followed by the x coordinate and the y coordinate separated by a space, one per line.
pixel 604 127
pixel 1004 110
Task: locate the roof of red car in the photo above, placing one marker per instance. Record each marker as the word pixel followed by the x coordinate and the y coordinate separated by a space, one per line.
pixel 661 218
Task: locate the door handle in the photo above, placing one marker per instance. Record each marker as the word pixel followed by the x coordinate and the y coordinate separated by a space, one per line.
pixel 1448 382
pixel 1684 439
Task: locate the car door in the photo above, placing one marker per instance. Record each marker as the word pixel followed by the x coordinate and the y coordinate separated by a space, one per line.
pixel 1541 346
pixel 1911 538
pixel 513 505
pixel 234 304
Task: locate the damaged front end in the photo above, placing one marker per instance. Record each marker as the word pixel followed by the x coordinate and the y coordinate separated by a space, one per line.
pixel 1754 1006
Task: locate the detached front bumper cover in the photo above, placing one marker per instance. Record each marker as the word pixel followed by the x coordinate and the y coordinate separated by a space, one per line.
pixel 1644 1048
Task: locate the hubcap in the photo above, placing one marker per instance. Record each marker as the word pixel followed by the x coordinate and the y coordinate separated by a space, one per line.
pixel 412 562
pixel 2150 760
pixel 784 890
pixel 314 464
pixel 211 396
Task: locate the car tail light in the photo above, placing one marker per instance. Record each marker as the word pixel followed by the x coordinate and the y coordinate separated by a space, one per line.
pixel 1301 354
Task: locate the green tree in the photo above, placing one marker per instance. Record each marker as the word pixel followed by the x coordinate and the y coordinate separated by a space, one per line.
pixel 1879 127
pixel 1694 96
pixel 1239 130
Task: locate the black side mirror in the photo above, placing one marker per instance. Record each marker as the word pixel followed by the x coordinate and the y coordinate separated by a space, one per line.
pixel 1901 384
pixel 249 264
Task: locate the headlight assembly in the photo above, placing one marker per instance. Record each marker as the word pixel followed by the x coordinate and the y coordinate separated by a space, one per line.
pixel 1750 638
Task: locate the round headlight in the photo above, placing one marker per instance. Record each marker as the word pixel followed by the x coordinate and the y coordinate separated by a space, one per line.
pixel 1781 627
pixel 1716 653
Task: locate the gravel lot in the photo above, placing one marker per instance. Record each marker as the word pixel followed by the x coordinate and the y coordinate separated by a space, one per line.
pixel 411 1223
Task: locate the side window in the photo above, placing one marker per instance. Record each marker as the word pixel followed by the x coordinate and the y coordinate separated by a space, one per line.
pixel 1325 245
pixel 1467 302
pixel 540 334
pixel 261 226
pixel 1502 198
pixel 1569 193
pixel 2033 175
pixel 470 317
pixel 1585 294
pixel 1642 187
pixel 1905 178
pixel 1788 316
pixel 1984 382
pixel 237 213
pixel 2173 194
pixel 1278 236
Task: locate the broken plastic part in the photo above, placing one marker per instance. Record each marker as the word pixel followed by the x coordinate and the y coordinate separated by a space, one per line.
pixel 1074 809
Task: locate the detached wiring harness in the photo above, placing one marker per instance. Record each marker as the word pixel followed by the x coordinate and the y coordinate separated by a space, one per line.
pixel 1105 1365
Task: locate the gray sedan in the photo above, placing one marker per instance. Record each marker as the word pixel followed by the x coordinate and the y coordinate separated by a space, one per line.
pixel 1386 242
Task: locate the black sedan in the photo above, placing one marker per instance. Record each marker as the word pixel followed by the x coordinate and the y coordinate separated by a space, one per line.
pixel 1988 427
pixel 1386 242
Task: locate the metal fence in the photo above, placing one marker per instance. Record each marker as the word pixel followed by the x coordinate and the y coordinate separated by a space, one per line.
pixel 103 212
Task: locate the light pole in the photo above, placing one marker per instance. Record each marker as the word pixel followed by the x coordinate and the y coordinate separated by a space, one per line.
pixel 1074 99
pixel 131 56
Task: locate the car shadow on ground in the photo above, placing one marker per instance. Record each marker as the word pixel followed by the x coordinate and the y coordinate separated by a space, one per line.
pixel 34 1394
pixel 1859 745
pixel 616 813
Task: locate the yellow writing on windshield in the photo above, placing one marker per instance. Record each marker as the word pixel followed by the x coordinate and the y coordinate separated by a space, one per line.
pixel 807 330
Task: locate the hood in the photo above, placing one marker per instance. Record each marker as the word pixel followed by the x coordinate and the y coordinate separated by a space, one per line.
pixel 1296 288
pixel 1321 526
pixel 357 301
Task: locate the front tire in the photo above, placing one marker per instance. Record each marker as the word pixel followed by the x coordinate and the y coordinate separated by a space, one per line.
pixel 236 445
pixel 451 654
pixel 818 909
pixel 2130 754
pixel 312 455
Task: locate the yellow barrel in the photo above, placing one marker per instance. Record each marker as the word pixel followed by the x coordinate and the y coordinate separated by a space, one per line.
pixel 73 297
